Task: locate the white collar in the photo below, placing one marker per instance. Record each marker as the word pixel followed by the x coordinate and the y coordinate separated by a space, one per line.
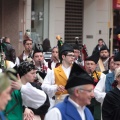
pixel 118 87
pixel 76 105
pixel 66 68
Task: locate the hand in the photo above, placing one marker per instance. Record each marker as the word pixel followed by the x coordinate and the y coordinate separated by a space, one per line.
pixel 28 114
pixel 60 88
pixel 16 84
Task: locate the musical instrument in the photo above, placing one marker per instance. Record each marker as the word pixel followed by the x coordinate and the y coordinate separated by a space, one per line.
pixel 43 68
pixel 96 76
pixel 2 60
pixel 59 44
pixel 84 53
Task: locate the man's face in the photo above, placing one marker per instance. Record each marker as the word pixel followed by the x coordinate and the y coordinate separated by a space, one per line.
pixel 5 96
pixel 85 95
pixel 104 54
pixel 28 45
pixel 90 66
pixel 76 53
pixel 100 43
pixel 38 57
pixel 69 58
pixel 116 64
pixel 30 76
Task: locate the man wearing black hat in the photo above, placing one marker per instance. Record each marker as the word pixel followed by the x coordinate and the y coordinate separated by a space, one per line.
pixel 78 59
pixel 80 89
pixel 90 66
pixel 40 63
pixel 56 79
pixel 103 59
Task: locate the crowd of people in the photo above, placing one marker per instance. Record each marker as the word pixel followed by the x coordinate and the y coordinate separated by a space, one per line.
pixel 67 87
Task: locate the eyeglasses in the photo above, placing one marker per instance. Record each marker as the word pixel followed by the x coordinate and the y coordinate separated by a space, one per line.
pixel 89 91
pixel 70 55
pixel 90 64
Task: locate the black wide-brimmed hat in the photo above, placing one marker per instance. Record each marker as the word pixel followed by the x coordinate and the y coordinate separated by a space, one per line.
pixel 104 48
pixel 78 76
pixel 94 57
pixel 66 47
pixel 36 50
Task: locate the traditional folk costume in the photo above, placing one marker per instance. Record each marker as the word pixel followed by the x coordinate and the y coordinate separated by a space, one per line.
pixel 27 96
pixel 52 65
pixel 95 106
pixel 69 109
pixel 57 76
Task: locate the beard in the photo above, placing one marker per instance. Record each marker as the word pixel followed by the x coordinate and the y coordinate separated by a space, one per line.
pixel 103 57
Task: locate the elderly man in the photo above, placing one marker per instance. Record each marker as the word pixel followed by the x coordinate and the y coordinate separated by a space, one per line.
pixel 80 89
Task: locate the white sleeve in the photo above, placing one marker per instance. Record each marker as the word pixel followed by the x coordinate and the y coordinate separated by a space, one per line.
pixel 12 65
pixel 32 97
pixel 99 90
pixel 46 63
pixel 17 62
pixel 53 114
pixel 49 85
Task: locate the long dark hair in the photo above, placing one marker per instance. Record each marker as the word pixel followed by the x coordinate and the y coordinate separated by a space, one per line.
pixel 46 45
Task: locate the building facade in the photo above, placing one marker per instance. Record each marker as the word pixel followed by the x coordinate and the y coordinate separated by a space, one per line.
pixel 87 19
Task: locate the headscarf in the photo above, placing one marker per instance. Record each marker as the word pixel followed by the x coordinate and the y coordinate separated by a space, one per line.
pixel 25 67
pixel 5 79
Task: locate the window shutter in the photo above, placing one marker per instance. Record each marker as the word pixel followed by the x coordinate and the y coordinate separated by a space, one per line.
pixel 73 20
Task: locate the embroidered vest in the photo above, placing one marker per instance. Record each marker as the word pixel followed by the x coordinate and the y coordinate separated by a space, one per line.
pixel 21 57
pixel 60 78
pixel 49 64
pixel 69 112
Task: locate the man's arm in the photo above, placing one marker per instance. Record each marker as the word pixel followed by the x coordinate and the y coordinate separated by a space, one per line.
pixel 49 85
pixel 32 97
pixel 99 90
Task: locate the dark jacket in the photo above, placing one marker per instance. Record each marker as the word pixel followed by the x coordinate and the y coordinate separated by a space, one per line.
pixel 111 105
pixel 10 52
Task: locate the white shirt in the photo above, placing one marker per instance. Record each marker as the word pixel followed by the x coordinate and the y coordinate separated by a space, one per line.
pixel 55 114
pixel 99 90
pixel 49 85
pixel 79 108
pixel 53 64
pixel 32 97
